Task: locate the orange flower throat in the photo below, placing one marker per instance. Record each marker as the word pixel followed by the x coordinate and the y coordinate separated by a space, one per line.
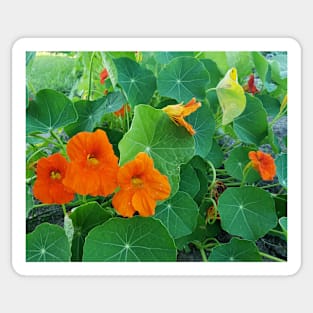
pixel 137 182
pixel 92 159
pixel 55 175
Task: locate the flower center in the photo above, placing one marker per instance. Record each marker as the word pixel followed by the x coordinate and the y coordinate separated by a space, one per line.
pixel 92 159
pixel 55 175
pixel 137 182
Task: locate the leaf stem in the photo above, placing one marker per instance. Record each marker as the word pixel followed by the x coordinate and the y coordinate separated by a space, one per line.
pixel 274 258
pixel 64 209
pixel 90 76
pixel 60 142
pixel 203 254
pixel 214 175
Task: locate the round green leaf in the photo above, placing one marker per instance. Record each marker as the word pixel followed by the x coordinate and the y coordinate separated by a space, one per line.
pixel 281 169
pixel 203 123
pixel 189 181
pixel 51 110
pixel 215 155
pixel 154 133
pixel 179 214
pixel 47 243
pixel 164 57
pixel 137 82
pixel 237 250
pixel 236 162
pixel 85 217
pixel 248 212
pixel 251 125
pixel 183 79
pixel 134 239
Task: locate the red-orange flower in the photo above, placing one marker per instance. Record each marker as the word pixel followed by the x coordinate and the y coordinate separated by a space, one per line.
pixel 103 76
pixel 250 86
pixel 48 187
pixel 177 112
pixel 122 110
pixel 141 185
pixel 264 164
pixel 93 165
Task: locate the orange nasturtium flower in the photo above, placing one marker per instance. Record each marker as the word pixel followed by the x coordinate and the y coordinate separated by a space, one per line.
pixel 177 112
pixel 122 110
pixel 48 187
pixel 103 75
pixel 141 185
pixel 250 86
pixel 93 165
pixel 263 163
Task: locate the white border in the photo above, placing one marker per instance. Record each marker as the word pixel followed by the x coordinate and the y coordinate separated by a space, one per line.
pixel 156 44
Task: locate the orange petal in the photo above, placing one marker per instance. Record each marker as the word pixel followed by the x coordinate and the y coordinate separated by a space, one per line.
pixel 122 202
pixel 191 107
pixel 143 203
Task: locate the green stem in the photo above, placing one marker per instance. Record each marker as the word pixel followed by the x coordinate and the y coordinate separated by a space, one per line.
pixel 269 186
pixel 64 209
pixel 90 76
pixel 277 232
pixel 60 142
pixel 271 257
pixel 214 175
pixel 203 255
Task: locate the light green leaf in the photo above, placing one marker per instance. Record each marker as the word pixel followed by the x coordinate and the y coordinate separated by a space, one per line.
pixel 47 243
pixel 283 224
pixel 248 212
pixel 69 229
pixel 230 96
pixel 184 78
pixel 136 239
pixel 164 57
pixel 153 132
pixel 179 214
pixel 261 65
pixel 237 250
pixel 51 110
pixel 110 67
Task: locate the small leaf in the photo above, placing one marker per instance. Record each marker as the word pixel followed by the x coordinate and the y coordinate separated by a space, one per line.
pixel 283 224
pixel 179 214
pixel 237 250
pixel 47 243
pixel 183 78
pixel 51 110
pixel 215 155
pixel 136 239
pixel 248 212
pixel 69 229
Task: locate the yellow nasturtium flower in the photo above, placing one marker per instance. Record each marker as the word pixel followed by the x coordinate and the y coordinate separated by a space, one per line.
pixel 231 96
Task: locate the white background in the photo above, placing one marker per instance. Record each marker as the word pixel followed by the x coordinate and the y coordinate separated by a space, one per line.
pixel 154 19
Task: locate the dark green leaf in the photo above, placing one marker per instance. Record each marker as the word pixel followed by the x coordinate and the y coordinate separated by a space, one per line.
pixel 251 125
pixel 189 181
pixel 215 74
pixel 203 123
pixel 281 165
pixel 47 243
pixel 270 104
pixel 236 162
pixel 248 212
pixel 215 155
pixel 261 65
pixel 184 78
pixel 51 110
pixel 142 239
pixel 85 218
pixel 179 214
pixel 137 82
pixel 237 250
